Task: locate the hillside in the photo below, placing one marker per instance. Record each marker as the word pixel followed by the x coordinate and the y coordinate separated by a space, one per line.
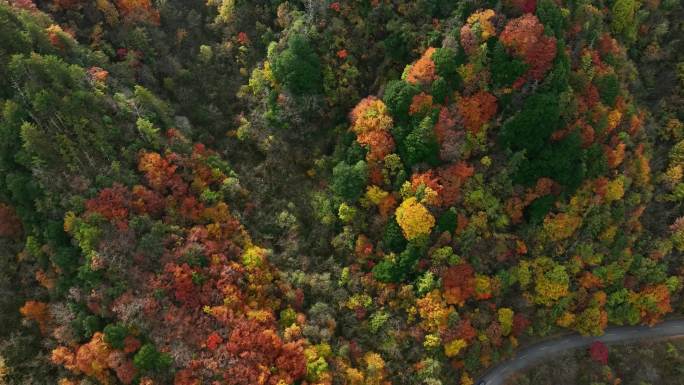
pixel 357 192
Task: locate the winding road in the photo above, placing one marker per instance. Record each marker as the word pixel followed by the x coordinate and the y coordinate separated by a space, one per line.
pixel 536 353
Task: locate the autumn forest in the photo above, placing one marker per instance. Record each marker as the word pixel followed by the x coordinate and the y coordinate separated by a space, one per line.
pixel 352 192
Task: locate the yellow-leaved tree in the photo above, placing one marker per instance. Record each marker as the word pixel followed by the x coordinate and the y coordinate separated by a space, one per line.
pixel 414 219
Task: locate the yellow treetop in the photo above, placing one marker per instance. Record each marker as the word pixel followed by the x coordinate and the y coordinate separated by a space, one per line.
pixel 483 287
pixel 614 118
pixel 566 320
pixel 561 226
pixel 465 379
pixel 434 311
pixel 370 115
pixel 375 194
pixel 414 219
pixel 375 369
pixel 484 19
pixel 354 376
pixel 615 190
pixel 551 281
pixel 374 362
pixel 454 347
pixel 505 317
pixel 254 257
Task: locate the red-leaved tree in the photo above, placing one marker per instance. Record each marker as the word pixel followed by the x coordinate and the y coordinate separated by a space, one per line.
pixel 599 352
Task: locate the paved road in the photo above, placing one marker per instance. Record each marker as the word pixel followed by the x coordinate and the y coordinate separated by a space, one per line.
pixel 526 357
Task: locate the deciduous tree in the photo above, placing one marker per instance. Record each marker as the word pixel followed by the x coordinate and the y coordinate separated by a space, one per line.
pixel 423 70
pixel 459 284
pixel 414 219
pixel 476 110
pixel 599 352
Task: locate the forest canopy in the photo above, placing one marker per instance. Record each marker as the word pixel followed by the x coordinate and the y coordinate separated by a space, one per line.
pixel 353 192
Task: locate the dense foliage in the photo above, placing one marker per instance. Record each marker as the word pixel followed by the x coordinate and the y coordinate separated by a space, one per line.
pixel 354 192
